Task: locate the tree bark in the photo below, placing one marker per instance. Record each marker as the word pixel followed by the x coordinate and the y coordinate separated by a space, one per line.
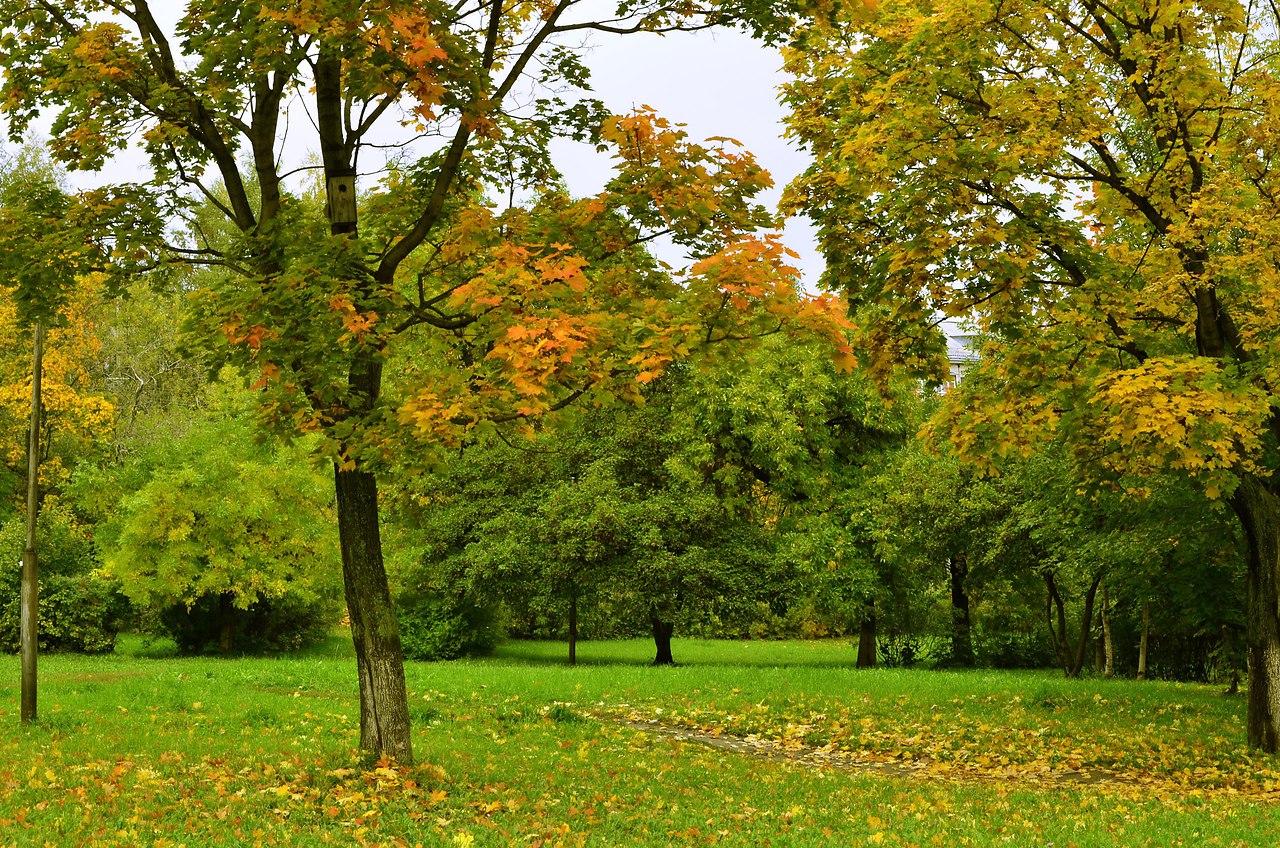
pixel 1142 643
pixel 1086 624
pixel 961 629
pixel 1258 509
pixel 662 631
pixel 1071 657
pixel 1058 636
pixel 1228 650
pixel 384 703
pixel 1099 650
pixel 867 638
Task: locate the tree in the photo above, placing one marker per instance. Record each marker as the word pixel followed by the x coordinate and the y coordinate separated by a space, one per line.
pixel 227 528
pixel 706 507
pixel 620 502
pixel 931 514
pixel 76 418
pixel 43 252
pixel 521 311
pixel 1093 183
pixel 802 444
pixel 140 362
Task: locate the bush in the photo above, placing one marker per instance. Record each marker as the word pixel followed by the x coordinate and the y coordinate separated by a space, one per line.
pixel 901 651
pixel 80 613
pixel 1014 650
pixel 224 543
pixel 283 623
pixel 437 627
pixel 80 610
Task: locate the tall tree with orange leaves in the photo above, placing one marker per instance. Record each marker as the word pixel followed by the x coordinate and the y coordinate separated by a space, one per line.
pixel 404 311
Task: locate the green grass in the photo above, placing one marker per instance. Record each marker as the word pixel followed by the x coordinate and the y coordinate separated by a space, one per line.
pixel 147 748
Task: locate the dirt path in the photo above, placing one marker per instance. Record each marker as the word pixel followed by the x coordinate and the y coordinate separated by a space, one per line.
pixel 920 768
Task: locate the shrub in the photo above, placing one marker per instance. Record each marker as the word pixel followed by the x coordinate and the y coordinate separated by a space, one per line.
pixel 80 609
pixel 283 623
pixel 438 627
pixel 226 543
pixel 901 651
pixel 1014 650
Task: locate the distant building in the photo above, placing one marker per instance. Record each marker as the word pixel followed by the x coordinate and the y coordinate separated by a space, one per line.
pixel 962 349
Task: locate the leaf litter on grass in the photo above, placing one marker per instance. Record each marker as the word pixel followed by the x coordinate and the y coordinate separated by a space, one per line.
pixel 520 764
pixel 955 746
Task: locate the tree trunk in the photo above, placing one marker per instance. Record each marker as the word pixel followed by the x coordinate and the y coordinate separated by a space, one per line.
pixel 29 594
pixel 573 628
pixel 867 638
pixel 1071 657
pixel 384 702
pixel 227 615
pixel 662 631
pixel 1142 643
pixel 961 629
pixel 1259 512
pixel 1228 650
pixel 1086 624
pixel 1058 636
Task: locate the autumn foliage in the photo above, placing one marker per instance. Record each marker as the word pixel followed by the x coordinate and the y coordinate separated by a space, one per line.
pixel 394 315
pixel 1093 185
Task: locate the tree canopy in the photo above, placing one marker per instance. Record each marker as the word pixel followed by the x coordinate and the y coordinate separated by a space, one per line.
pixel 487 313
pixel 1093 184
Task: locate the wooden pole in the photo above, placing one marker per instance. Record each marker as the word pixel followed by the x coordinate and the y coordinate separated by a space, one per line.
pixel 1142 646
pixel 30 636
pixel 1109 667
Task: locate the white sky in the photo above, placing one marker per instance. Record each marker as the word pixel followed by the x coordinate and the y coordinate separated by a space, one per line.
pixel 719 84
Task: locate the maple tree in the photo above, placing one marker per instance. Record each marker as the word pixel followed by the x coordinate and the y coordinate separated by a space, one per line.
pixel 1094 185
pixel 508 313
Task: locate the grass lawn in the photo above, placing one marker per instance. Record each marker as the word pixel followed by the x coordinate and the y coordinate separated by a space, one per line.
pixel 142 748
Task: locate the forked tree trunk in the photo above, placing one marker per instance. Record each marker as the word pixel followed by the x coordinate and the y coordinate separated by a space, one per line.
pixel 1086 620
pixel 662 631
pixel 961 629
pixel 867 638
pixel 1258 509
pixel 1071 657
pixel 384 703
pixel 1057 635
pixel 1142 644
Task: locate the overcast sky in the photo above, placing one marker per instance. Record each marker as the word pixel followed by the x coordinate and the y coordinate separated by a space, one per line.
pixel 719 84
